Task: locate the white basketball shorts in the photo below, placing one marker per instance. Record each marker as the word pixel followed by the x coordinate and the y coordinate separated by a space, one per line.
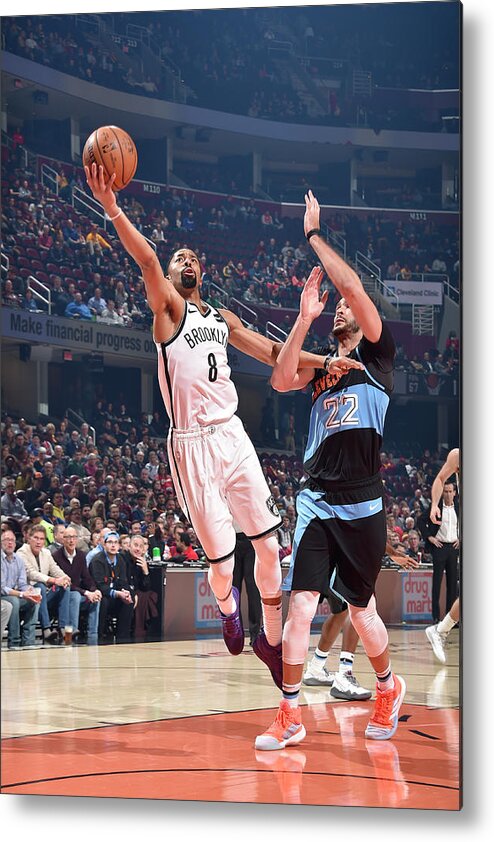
pixel 217 477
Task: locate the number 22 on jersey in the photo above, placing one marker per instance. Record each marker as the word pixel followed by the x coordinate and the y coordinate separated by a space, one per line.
pixel 342 410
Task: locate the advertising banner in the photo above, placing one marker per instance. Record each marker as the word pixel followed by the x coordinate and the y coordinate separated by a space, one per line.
pixel 416 292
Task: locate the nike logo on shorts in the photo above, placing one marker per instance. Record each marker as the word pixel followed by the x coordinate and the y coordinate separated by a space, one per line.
pixel 374 506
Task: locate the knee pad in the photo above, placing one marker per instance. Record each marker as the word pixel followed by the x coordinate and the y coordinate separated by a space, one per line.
pixel 370 628
pixel 267 570
pixel 296 632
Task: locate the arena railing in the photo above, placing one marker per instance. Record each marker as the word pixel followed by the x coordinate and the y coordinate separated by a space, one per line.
pixel 220 293
pixel 274 332
pixel 44 296
pixel 336 240
pixel 240 307
pixel 5 263
pixel 90 205
pixel 71 414
pixel 372 270
pixel 423 319
pixel 49 178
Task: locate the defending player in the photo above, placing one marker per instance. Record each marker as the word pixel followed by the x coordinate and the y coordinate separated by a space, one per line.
pixel 341 522
pixel 437 634
pixel 215 469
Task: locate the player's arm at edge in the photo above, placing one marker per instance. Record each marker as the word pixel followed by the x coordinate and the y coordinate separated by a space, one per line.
pixel 267 351
pixel 451 466
pixel 341 275
pixel 160 293
pixel 349 285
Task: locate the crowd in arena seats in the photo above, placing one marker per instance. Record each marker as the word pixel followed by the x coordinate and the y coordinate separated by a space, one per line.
pixel 226 59
pixel 61 44
pixel 68 498
pixel 91 277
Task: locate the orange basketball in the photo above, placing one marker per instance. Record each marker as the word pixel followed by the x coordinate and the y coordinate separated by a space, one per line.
pixel 115 150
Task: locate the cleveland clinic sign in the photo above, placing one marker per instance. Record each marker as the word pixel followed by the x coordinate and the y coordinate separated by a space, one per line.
pixel 415 292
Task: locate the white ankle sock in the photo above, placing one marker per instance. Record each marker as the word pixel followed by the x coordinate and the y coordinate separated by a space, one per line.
pixel 446 624
pixel 346 662
pixel 319 658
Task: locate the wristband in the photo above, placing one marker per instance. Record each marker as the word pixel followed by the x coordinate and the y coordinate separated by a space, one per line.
pixel 112 218
pixel 311 233
pixel 326 360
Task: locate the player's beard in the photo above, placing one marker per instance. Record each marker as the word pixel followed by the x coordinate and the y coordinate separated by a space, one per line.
pixel 188 281
pixel 346 329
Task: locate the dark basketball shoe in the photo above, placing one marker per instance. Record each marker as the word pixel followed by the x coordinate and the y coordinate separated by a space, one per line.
pixel 271 656
pixel 233 629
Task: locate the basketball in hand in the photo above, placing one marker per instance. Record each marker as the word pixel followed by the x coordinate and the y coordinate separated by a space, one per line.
pixel 115 151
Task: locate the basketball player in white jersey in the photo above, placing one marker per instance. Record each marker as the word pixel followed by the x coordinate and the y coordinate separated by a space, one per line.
pixel 437 634
pixel 214 466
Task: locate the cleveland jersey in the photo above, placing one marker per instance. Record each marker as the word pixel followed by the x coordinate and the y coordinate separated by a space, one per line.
pixel 193 371
pixel 347 418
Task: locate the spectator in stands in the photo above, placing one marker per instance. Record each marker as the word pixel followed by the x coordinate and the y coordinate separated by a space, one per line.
pixel 96 243
pixel 58 533
pixel 58 253
pixel 75 466
pixel 110 314
pixel 43 573
pixel 9 297
pixel 453 344
pixel 46 521
pixel 63 186
pixel 285 537
pixel 183 546
pixel 72 236
pixel 250 294
pixel 414 545
pixel 73 444
pixel 77 309
pixel 83 592
pixel 288 425
pixel 97 303
pixel 139 510
pixel 11 505
pixel 22 598
pixel 109 572
pixel 29 302
pixel 439 266
pixel 83 534
pixel 34 496
pixel 145 599
pixel 45 239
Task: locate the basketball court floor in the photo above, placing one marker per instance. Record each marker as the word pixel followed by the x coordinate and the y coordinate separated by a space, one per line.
pixel 178 720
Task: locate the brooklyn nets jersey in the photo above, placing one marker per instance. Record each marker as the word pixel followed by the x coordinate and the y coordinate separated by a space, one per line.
pixel 347 418
pixel 193 371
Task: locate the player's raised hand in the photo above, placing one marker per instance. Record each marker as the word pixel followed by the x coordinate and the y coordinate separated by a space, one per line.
pixel 312 213
pixel 311 305
pixel 341 365
pixel 101 189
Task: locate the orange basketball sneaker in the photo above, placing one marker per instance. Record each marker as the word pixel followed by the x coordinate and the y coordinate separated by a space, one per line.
pixel 286 730
pixel 384 721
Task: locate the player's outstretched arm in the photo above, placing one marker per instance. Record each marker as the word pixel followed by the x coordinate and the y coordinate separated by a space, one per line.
pixel 451 466
pixel 346 281
pixel 158 291
pixel 262 348
pixel 286 374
